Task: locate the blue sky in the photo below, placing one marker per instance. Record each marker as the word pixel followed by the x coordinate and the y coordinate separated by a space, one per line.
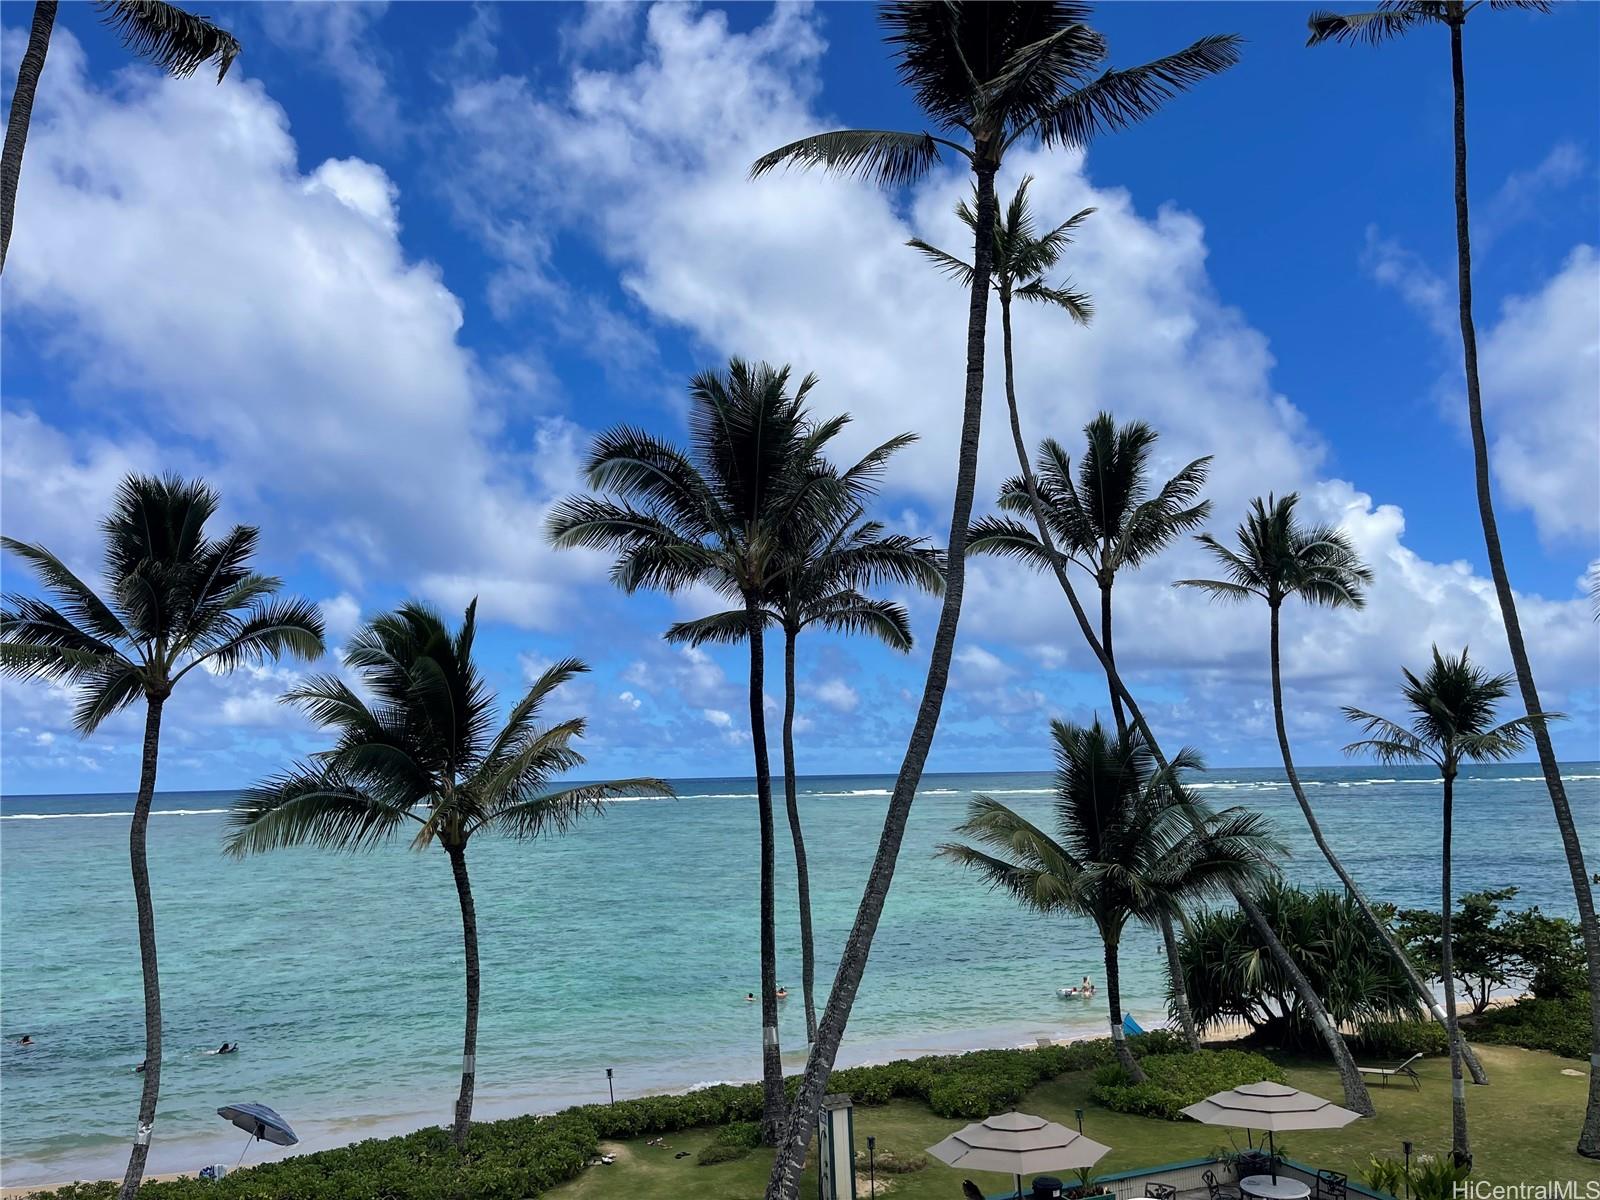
pixel 383 284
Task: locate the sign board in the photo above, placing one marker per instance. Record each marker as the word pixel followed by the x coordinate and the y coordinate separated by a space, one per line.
pixel 836 1149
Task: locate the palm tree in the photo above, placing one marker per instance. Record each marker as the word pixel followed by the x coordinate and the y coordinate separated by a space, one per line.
pixel 993 75
pixel 1452 720
pixel 1105 520
pixel 423 755
pixel 1279 559
pixel 1374 28
pixel 164 34
pixel 1129 843
pixel 826 566
pixel 176 600
pixel 716 514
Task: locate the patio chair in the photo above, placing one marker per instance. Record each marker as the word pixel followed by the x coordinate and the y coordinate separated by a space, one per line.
pixel 1160 1191
pixel 1331 1186
pixel 1216 1191
pixel 1384 1074
pixel 970 1190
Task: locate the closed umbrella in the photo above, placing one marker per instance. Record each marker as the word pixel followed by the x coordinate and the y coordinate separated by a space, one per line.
pixel 1017 1144
pixel 261 1123
pixel 1271 1107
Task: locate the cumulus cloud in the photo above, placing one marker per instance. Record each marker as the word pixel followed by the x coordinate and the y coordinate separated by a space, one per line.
pixel 341 38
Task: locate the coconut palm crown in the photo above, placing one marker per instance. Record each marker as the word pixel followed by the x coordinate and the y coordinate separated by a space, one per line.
pixel 1278 557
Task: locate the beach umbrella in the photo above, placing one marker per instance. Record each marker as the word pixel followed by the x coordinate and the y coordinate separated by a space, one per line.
pixel 261 1123
pixel 1272 1108
pixel 1017 1144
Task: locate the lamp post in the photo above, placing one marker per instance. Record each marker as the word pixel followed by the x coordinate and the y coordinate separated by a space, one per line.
pixel 1406 1147
pixel 872 1165
pixel 610 1087
pixel 1080 1119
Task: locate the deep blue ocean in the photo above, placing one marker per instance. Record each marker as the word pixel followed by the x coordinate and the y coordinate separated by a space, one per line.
pixel 629 943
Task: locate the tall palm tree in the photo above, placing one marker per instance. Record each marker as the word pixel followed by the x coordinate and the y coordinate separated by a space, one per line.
pixel 422 755
pixel 175 600
pixel 164 34
pixel 1280 559
pixel 1105 520
pixel 827 566
pixel 1453 711
pixel 1394 20
pixel 988 75
pixel 1129 843
pixel 716 514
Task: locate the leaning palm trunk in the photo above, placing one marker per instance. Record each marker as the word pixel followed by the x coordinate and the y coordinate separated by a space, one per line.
pixel 1355 1091
pixel 1105 642
pixel 147 948
pixel 808 956
pixel 44 19
pixel 1180 995
pixel 772 1098
pixel 784 1183
pixel 1460 1147
pixel 1119 1039
pixel 1589 1138
pixel 469 1037
pixel 1418 985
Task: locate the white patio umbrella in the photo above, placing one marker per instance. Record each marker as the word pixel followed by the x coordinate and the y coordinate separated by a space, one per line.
pixel 1018 1144
pixel 1271 1107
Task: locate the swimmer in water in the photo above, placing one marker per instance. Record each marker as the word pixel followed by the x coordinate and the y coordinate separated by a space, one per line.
pixel 25 1040
pixel 782 993
pixel 750 997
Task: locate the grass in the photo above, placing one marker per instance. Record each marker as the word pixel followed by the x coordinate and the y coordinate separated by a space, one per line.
pixel 1523 1128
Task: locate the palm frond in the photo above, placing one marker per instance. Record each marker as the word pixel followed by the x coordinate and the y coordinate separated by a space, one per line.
pixel 999 535
pixel 79 602
pixel 1372 28
pixel 850 612
pixel 883 156
pixel 1077 305
pixel 273 630
pixel 305 806
pixel 558 811
pixel 949 264
pixel 1218 589
pixel 176 41
pixel 726 628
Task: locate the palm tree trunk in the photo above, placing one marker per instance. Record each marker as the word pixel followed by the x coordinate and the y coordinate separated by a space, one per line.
pixel 1105 642
pixel 1419 986
pixel 1589 1138
pixel 784 1182
pixel 1119 1041
pixel 1460 1147
pixel 772 1099
pixel 147 948
pixel 1356 1097
pixel 469 1037
pixel 808 957
pixel 44 19
pixel 1180 994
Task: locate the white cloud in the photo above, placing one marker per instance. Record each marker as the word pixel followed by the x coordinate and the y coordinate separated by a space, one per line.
pixel 341 36
pixel 341 615
pixel 717 717
pixel 837 695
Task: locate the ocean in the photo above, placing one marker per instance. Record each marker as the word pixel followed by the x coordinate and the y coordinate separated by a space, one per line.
pixel 629 943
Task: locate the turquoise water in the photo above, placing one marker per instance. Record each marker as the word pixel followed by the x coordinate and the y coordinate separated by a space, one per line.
pixel 629 943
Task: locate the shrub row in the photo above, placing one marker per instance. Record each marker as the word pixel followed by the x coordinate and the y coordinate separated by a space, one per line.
pixel 522 1156
pixel 1175 1081
pixel 1559 1026
pixel 1399 1039
pixel 734 1140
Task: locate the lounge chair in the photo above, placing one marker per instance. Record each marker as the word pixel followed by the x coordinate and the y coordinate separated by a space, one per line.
pixel 1384 1074
pixel 1216 1191
pixel 1331 1185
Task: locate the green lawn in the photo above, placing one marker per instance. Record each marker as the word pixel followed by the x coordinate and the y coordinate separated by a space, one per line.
pixel 1523 1128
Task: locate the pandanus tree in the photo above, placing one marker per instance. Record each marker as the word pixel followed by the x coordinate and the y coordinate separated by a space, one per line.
pixel 174 600
pixel 1280 558
pixel 988 76
pixel 827 567
pixel 1452 721
pixel 1104 519
pixel 176 41
pixel 716 515
pixel 1129 843
pixel 1390 21
pixel 420 754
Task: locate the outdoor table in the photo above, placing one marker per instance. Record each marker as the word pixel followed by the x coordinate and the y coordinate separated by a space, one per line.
pixel 1267 1188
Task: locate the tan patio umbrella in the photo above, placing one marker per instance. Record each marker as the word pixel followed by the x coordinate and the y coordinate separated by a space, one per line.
pixel 1271 1107
pixel 1017 1144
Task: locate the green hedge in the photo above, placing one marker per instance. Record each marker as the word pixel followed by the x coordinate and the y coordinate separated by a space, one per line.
pixel 1559 1026
pixel 1399 1039
pixel 1175 1081
pixel 522 1156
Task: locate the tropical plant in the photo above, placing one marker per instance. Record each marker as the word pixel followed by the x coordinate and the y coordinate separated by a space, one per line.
pixel 422 755
pixel 175 600
pixel 1129 840
pixel 995 74
pixel 1231 976
pixel 174 40
pixel 827 566
pixel 716 515
pixel 1394 19
pixel 1281 559
pixel 1453 710
pixel 1104 521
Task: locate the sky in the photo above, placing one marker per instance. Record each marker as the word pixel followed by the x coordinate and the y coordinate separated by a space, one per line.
pixel 385 283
